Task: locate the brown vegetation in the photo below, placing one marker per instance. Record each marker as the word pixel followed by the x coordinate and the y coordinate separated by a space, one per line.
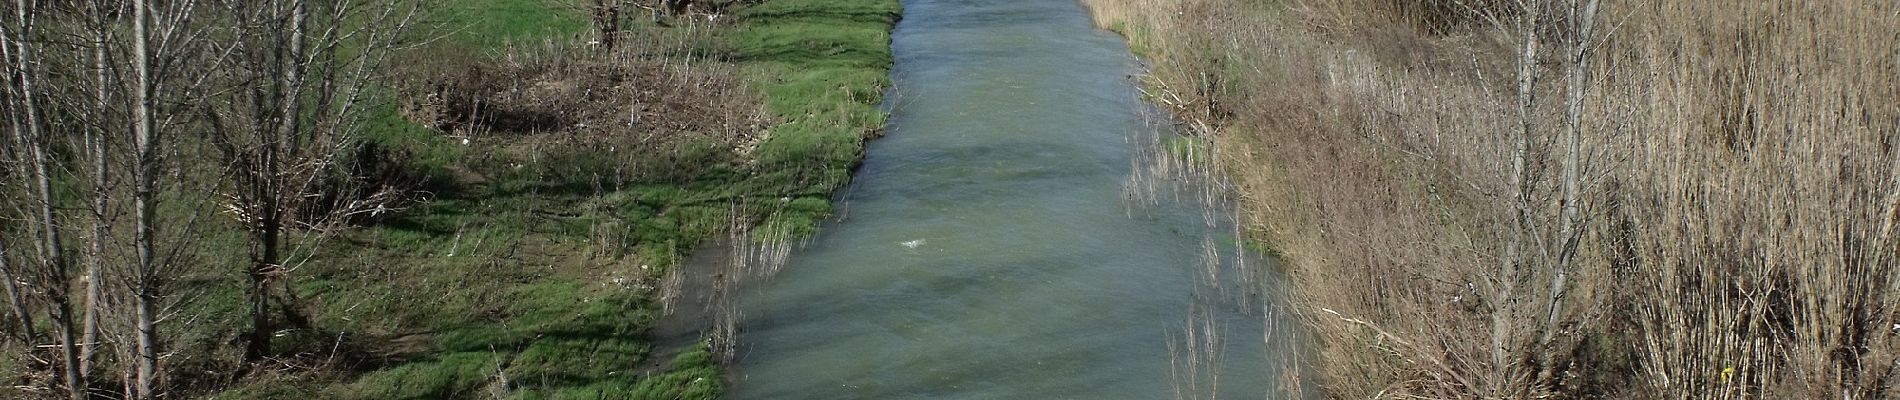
pixel 634 101
pixel 1730 229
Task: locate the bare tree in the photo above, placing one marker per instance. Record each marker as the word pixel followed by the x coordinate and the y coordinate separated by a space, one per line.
pixel 1505 364
pixel 144 176
pixel 14 279
pixel 1527 318
pixel 1582 17
pixel 289 122
pixel 52 272
pixel 100 23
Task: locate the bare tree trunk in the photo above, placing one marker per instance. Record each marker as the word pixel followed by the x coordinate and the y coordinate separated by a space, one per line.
pixel 145 138
pixel 96 137
pixel 1504 318
pixel 17 295
pixel 53 263
pixel 75 378
pixel 290 131
pixel 283 142
pixel 1583 17
pixel 262 266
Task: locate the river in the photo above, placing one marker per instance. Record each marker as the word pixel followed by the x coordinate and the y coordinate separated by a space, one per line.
pixel 989 248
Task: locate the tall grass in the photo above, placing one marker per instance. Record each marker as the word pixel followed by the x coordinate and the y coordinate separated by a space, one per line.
pixel 1743 169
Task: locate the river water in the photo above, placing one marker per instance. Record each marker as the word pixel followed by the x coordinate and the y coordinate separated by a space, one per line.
pixel 988 248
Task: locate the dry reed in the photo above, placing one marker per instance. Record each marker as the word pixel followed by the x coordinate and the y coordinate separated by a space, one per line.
pixel 1742 170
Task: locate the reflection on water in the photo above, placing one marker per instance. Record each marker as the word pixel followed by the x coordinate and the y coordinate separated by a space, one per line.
pixel 990 249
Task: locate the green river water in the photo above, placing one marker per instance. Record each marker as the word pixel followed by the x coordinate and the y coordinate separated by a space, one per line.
pixel 993 246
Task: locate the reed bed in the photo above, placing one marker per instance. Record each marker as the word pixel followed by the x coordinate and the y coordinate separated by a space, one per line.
pixel 1739 185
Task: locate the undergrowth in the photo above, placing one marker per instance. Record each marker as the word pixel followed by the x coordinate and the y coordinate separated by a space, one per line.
pixel 1738 191
pixel 526 267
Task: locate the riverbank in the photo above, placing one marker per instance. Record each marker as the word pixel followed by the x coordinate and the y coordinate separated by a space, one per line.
pixel 558 183
pixel 1011 238
pixel 1415 186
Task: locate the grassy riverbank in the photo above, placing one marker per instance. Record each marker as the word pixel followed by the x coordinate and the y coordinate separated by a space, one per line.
pixel 1412 167
pixel 554 185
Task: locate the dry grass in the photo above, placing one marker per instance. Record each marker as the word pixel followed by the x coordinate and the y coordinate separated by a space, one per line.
pixel 664 109
pixel 1743 180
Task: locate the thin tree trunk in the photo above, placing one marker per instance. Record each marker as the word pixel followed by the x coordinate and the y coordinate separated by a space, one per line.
pixel 146 139
pixel 261 267
pixel 1583 15
pixel 75 378
pixel 289 122
pixel 1504 315
pixel 95 266
pixel 53 262
pixel 16 295
pixel 275 186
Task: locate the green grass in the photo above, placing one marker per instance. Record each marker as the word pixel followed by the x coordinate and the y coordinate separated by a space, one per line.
pixel 531 274
pixel 823 65
pixel 489 24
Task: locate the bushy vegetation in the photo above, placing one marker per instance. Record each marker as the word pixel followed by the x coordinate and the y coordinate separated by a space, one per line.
pixel 1730 233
